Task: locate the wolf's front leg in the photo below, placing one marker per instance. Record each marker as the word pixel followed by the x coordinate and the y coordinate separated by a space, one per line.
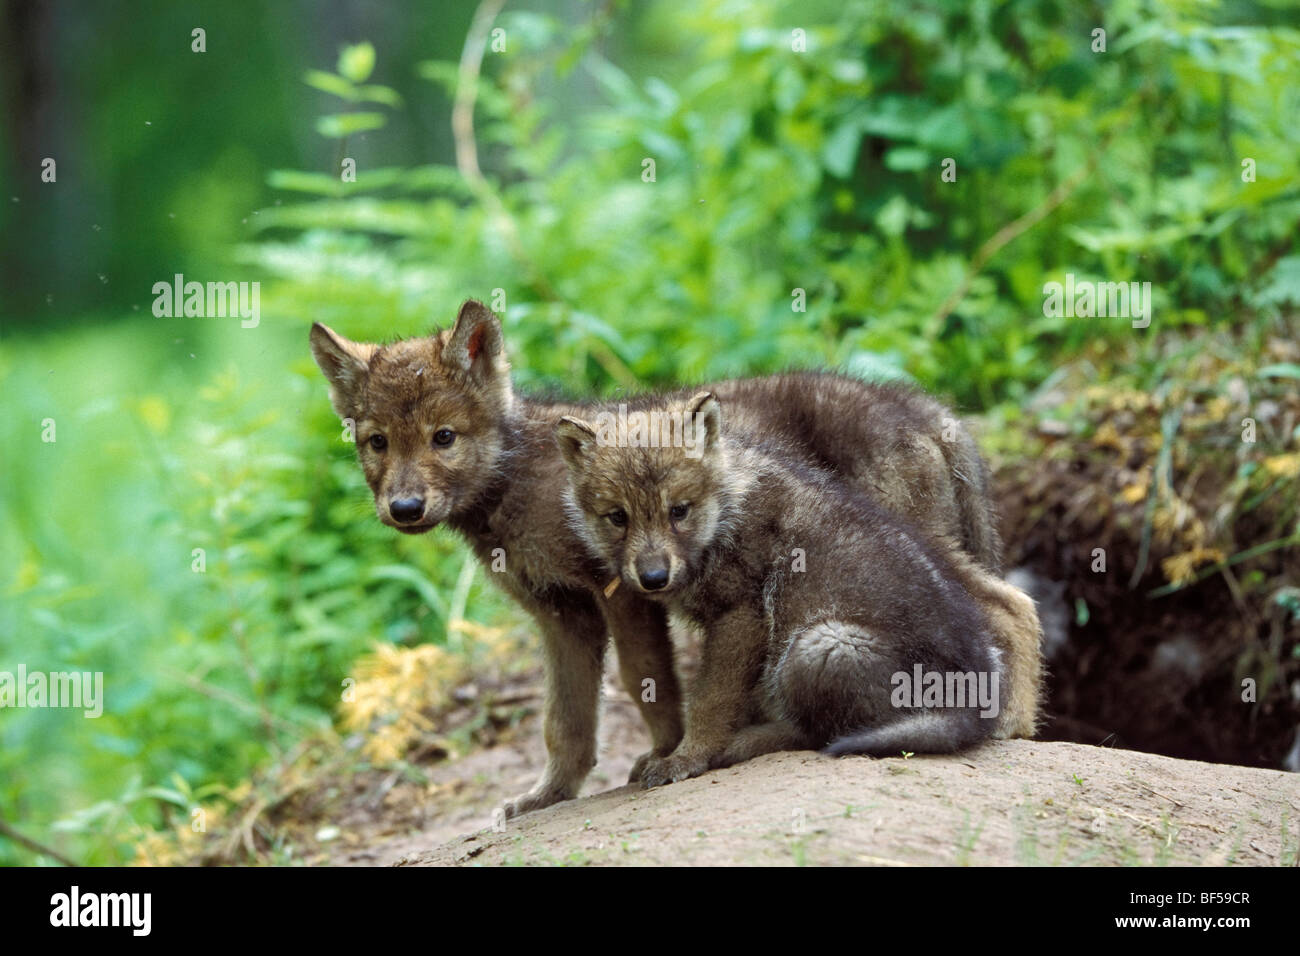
pixel 575 650
pixel 645 662
pixel 718 702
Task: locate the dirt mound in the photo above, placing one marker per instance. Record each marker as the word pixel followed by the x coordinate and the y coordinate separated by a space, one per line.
pixel 1012 802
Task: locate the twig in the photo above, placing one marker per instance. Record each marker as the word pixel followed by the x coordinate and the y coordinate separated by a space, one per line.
pixel 1287 542
pixel 1234 588
pixel 241 831
pixel 462 113
pixel 381 791
pixel 1158 794
pixel 462 131
pixel 7 831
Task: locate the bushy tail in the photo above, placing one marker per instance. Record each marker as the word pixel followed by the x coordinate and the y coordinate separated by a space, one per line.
pixel 931 732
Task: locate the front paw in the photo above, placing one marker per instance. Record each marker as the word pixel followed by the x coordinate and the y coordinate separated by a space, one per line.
pixel 536 798
pixel 638 768
pixel 677 766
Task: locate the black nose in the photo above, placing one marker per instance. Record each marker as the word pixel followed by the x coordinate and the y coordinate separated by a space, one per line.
pixel 406 510
pixel 653 579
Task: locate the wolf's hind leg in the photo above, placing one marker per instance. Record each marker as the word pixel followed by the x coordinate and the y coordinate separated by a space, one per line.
pixel 1018 637
pixel 832 678
pixel 758 739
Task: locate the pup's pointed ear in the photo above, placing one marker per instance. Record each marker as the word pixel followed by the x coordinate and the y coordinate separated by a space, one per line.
pixel 345 364
pixel 475 345
pixel 575 438
pixel 705 411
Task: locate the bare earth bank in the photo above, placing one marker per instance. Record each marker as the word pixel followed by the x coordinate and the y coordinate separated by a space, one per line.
pixel 1004 803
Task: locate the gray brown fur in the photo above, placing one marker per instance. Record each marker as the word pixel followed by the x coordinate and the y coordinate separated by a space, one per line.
pixel 501 481
pixel 795 657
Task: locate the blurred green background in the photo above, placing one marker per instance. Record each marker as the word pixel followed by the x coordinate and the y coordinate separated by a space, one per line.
pixel 795 146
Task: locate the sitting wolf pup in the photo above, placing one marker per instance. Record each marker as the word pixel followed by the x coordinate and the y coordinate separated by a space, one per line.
pixel 815 605
pixel 443 438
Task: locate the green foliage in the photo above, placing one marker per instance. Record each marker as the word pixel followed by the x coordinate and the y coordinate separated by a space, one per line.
pixel 212 662
pixel 797 215
pixel 777 170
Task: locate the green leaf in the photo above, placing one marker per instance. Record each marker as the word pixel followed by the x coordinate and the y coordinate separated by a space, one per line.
pixel 893 216
pixel 167 795
pixel 1283 284
pixel 357 62
pixel 906 159
pixel 442 72
pixel 1082 614
pixel 302 182
pixel 338 125
pixel 379 94
pixel 330 83
pixel 841 149
pixel 1282 370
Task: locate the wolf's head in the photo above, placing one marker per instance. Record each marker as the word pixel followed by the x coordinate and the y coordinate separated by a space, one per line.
pixel 428 414
pixel 648 510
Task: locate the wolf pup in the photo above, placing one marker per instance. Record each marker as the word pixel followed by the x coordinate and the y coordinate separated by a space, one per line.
pixel 442 437
pixel 826 622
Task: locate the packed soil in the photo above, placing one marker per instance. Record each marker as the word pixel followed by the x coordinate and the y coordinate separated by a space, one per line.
pixel 1013 802
pixel 1004 803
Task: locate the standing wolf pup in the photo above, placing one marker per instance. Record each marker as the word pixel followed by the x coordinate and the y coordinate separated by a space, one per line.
pixel 814 604
pixel 443 438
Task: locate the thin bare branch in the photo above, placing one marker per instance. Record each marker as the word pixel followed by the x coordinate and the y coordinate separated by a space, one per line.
pixel 25 841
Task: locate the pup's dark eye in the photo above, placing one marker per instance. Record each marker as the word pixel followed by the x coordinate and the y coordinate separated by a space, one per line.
pixel 444 437
pixel 678 512
pixel 618 518
pixel 378 442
